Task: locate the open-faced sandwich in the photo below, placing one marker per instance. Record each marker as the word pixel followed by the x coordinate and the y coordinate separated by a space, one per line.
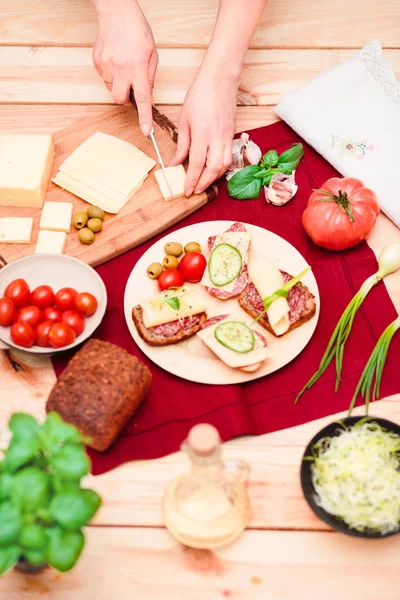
pixel 237 344
pixel 172 316
pixel 226 273
pixel 283 314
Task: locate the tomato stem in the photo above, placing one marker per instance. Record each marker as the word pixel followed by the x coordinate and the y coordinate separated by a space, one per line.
pixel 342 200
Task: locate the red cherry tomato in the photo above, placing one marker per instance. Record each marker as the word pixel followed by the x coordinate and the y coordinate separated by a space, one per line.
pixel 170 278
pixel 74 320
pixel 86 304
pixel 42 296
pixel 193 265
pixel 42 333
pixel 22 334
pixel 65 298
pixel 60 335
pixel 19 292
pixel 8 312
pixel 52 313
pixel 29 314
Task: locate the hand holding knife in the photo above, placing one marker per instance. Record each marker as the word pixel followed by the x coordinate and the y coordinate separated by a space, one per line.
pixel 151 136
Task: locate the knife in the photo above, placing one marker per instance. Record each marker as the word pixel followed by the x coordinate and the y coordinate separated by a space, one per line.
pixel 152 138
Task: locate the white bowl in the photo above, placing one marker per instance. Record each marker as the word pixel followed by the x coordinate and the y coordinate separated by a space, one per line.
pixel 58 271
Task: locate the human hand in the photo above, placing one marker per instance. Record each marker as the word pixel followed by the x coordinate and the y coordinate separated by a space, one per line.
pixel 125 55
pixel 206 128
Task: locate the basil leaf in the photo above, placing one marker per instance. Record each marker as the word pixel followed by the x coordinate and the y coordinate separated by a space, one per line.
pixel 30 489
pixel 23 426
pixel 291 157
pixel 8 557
pixel 10 524
pixel 267 179
pixel 55 432
pixel 270 159
pixel 71 462
pixel 65 548
pixel 72 510
pixel 262 173
pixel 36 557
pixel 5 486
pixel 173 302
pixel 33 536
pixel 20 453
pixel 286 168
pixel 243 185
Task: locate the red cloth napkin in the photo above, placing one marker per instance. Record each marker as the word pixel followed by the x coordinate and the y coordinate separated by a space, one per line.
pixel 174 405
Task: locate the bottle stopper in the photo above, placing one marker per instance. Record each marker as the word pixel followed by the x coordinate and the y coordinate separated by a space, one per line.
pixel 203 439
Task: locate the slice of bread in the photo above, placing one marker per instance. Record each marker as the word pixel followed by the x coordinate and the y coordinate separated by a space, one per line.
pixel 171 333
pixel 296 320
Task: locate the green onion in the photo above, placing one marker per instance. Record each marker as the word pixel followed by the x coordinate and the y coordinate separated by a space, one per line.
pixel 374 368
pixel 388 262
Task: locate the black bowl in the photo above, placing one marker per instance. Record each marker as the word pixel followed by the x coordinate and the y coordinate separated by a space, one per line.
pixel 308 489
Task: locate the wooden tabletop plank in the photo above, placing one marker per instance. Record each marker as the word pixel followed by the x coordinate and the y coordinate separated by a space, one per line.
pixel 286 23
pixel 141 563
pixel 66 75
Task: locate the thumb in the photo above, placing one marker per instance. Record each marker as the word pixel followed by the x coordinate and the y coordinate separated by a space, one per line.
pixel 183 145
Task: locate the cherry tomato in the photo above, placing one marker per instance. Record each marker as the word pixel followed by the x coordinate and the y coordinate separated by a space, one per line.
pixel 52 313
pixel 42 333
pixel 19 292
pixel 8 312
pixel 74 320
pixel 193 265
pixel 42 296
pixel 65 298
pixel 60 335
pixel 30 314
pixel 170 278
pixel 22 334
pixel 86 304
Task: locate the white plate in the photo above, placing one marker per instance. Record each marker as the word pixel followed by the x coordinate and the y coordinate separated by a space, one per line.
pixel 190 359
pixel 57 271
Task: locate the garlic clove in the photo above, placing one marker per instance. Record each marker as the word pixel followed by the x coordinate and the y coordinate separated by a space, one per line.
pixel 253 153
pixel 244 152
pixel 281 189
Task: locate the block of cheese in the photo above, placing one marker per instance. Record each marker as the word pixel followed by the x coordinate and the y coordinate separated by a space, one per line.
pixel 15 230
pixel 112 161
pixel 56 216
pixel 176 179
pixel 25 167
pixel 51 242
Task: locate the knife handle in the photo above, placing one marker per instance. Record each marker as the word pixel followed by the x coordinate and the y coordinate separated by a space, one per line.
pixel 161 120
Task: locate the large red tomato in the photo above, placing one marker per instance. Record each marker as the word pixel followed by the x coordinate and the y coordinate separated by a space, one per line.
pixel 192 266
pixel 341 214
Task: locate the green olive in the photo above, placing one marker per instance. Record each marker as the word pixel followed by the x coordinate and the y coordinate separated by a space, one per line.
pixel 86 235
pixel 95 225
pixel 154 270
pixel 94 212
pixel 173 249
pixel 80 219
pixel 192 247
pixel 170 262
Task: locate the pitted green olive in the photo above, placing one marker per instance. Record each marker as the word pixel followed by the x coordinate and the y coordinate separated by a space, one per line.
pixel 154 270
pixel 80 219
pixel 170 262
pixel 192 247
pixel 173 249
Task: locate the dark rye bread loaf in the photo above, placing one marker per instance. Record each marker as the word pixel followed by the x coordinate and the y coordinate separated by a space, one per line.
pixel 99 391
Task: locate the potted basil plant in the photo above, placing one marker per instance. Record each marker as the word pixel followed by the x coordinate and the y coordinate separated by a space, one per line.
pixel 42 505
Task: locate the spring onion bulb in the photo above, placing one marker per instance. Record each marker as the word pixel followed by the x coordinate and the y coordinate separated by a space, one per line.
pixel 356 477
pixel 374 368
pixel 388 262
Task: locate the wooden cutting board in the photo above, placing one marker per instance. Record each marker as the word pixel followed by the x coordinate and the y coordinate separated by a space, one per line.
pixel 144 216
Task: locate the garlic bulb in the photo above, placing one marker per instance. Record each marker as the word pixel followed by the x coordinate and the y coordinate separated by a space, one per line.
pixel 281 189
pixel 244 152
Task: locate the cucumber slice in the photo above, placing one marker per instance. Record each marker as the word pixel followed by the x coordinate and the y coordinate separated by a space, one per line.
pixel 236 336
pixel 224 265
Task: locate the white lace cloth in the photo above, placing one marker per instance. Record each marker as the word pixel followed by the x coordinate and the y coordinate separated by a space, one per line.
pixel 351 115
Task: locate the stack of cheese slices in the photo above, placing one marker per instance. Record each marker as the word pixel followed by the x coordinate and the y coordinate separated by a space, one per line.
pixel 104 171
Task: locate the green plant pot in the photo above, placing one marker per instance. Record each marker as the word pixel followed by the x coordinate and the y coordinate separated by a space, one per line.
pixel 25 567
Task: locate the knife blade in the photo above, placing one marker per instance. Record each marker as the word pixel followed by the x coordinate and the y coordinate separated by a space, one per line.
pixel 153 140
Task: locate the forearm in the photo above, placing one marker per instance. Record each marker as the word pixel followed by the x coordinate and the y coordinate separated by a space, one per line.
pixel 234 28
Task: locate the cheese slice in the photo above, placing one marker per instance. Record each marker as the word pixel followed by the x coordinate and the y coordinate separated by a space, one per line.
pixel 112 161
pixel 56 216
pixel 77 176
pixel 267 278
pixel 239 240
pixel 176 179
pixel 233 359
pixel 15 230
pixel 156 311
pixel 25 167
pixel 50 242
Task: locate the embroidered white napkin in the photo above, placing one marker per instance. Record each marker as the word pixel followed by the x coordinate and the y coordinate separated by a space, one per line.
pixel 351 115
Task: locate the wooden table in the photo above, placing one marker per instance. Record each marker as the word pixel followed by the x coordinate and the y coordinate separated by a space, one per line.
pixel 46 82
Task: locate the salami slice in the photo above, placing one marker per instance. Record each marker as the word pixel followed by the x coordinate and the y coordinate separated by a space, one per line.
pixel 169 329
pixel 297 298
pixel 235 227
pixel 214 320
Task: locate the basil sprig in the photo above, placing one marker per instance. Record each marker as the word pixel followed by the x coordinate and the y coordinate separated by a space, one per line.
pixel 246 184
pixel 173 302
